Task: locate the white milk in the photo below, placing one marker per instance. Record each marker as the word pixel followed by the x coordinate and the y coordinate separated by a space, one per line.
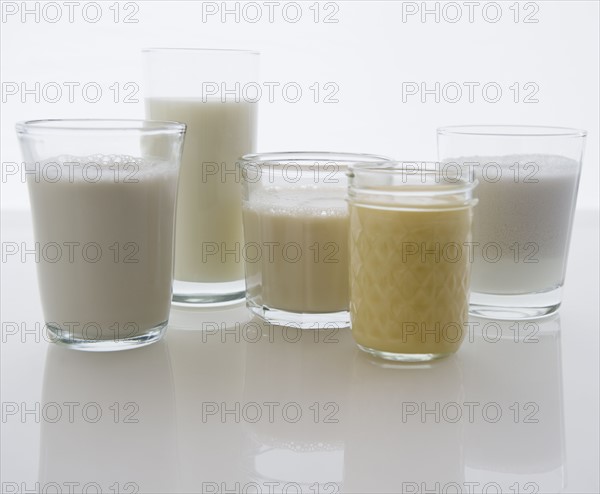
pixel 526 217
pixel 105 244
pixel 297 250
pixel 209 199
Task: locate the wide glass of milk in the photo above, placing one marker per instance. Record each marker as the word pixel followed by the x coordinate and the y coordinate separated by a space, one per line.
pixel 215 93
pixel 410 230
pixel 528 181
pixel 103 195
pixel 296 236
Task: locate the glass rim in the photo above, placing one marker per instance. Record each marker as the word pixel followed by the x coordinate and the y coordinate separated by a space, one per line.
pixel 417 178
pixel 511 130
pixel 396 167
pixel 200 50
pixel 95 125
pixel 308 158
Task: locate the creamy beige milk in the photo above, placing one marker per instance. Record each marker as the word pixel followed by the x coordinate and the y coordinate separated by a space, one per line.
pixel 409 278
pixel 302 238
pixel 522 223
pixel 209 198
pixel 105 245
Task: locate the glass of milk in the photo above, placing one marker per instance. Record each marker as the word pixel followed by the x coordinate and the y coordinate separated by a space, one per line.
pixel 410 230
pixel 103 195
pixel 215 93
pixel 528 180
pixel 296 236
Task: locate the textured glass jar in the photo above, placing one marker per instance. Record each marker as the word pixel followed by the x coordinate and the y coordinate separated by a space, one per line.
pixel 410 242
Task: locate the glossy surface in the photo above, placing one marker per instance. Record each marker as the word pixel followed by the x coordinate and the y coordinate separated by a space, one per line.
pixel 225 403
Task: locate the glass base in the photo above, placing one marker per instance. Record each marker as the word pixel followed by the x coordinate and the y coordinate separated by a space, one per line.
pixel 324 320
pixel 207 294
pixel 63 338
pixel 403 357
pixel 515 307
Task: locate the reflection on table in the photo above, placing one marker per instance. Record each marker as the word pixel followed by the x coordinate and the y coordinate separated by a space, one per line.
pixel 514 369
pixel 397 437
pixel 109 424
pixel 228 402
pixel 304 374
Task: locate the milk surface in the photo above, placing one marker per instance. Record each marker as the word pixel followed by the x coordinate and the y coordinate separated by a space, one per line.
pixel 209 198
pixel 526 218
pixel 302 237
pixel 115 238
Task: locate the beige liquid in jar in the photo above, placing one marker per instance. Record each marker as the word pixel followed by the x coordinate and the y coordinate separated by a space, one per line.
pixel 302 238
pixel 106 245
pixel 402 299
pixel 209 221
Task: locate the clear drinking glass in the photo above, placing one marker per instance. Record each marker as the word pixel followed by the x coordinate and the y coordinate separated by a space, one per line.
pixel 528 180
pixel 103 195
pixel 215 93
pixel 410 231
pixel 296 230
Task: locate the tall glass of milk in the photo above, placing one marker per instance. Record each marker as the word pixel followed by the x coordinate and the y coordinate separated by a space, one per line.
pixel 410 231
pixel 296 236
pixel 528 181
pixel 103 195
pixel 215 93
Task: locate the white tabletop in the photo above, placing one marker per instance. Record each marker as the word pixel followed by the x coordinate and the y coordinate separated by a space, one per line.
pixel 225 404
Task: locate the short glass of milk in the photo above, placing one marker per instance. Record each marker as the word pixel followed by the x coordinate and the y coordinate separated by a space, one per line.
pixel 215 93
pixel 103 195
pixel 296 236
pixel 410 231
pixel 528 180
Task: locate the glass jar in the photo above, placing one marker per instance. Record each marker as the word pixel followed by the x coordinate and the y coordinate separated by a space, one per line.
pixel 295 219
pixel 409 251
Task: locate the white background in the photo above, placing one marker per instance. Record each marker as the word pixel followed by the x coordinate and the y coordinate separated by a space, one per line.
pixel 369 53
